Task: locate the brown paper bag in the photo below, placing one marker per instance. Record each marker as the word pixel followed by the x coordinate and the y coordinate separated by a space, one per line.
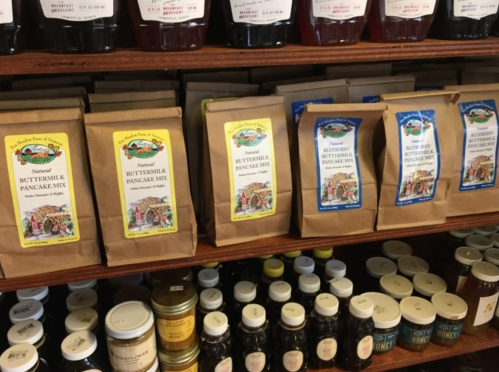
pixel 260 75
pixel 48 222
pixel 367 90
pixel 415 183
pixel 434 79
pixel 131 101
pixel 42 104
pixel 268 88
pixel 246 176
pixel 233 77
pixel 474 187
pixel 480 75
pixel 141 75
pixel 135 86
pixel 358 71
pixel 142 186
pixel 52 82
pixel 71 92
pixel 335 178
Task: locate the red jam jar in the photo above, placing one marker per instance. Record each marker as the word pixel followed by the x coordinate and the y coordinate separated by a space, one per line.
pixel 332 22
pixel 12 26
pixel 401 20
pixel 169 25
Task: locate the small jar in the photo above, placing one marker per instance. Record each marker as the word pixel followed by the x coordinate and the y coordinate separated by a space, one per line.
pixel 174 305
pixel 132 292
pixel 27 310
pixel 309 286
pixel 394 249
pixel 273 271
pixel 31 332
pixel 39 293
pixel 302 265
pixel 78 350
pixel 479 242
pixel 216 344
pixel 426 285
pixel 244 294
pixel 342 288
pixel 386 317
pixel 180 361
pixel 458 271
pixel 279 295
pixel 411 266
pixel 82 299
pixel 22 357
pixel 376 268
pixel 82 320
pixel 85 284
pixel 321 256
pixel 485 230
pixel 491 255
pixel 451 311
pixel 154 278
pixel 121 281
pixel 416 326
pixel 396 286
pixel 131 337
pixel 210 300
pixel 208 278
pixel 495 240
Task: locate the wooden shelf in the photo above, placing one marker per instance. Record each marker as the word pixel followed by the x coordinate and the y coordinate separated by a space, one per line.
pixel 223 57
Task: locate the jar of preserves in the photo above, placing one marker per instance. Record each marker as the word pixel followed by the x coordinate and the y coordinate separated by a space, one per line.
pixel 253 354
pixel 27 310
pixel 334 269
pixel 479 242
pixel 426 285
pixel 180 361
pixel 216 344
pixel 157 277
pixel 39 293
pixel 31 332
pixel 309 286
pixel 486 230
pixel 273 271
pixel 132 292
pixel 491 255
pixel 84 284
pixel 210 300
pixel 376 268
pixel 22 357
pixel 495 240
pixel 458 271
pixel 342 288
pixel 451 310
pixel 244 294
pixel 82 320
pixel 394 249
pixel 302 265
pixel 321 256
pixel 288 259
pixel 410 266
pixel 208 278
pixel 396 286
pixel 78 352
pixel 82 299
pixel 279 295
pixel 13 27
pixel 416 326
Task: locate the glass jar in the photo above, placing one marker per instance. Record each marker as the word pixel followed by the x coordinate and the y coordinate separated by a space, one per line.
pixel 458 271
pixel 82 299
pixel 302 265
pixel 279 295
pixel 253 354
pixel 479 242
pixel 132 292
pixel 376 268
pixel 480 292
pixel 180 361
pixel 131 337
pixel 288 259
pixel 426 285
pixel 416 326
pixel 78 352
pixel 396 286
pixel 174 305
pixel 208 278
pixel 156 277
pixel 273 271
pixel 13 27
pixel 216 344
pixel 334 269
pixel 468 363
pixel 210 300
pixel 410 266
pixel 342 288
pixel 321 257
pixel 31 332
pixel 244 294
pixel 486 230
pixel 84 284
pixel 495 240
pixel 39 293
pixel 491 255
pixel 82 320
pixel 451 311
pixel 27 310
pixel 309 286
pixel 22 357
pixel 394 249
pixel 386 317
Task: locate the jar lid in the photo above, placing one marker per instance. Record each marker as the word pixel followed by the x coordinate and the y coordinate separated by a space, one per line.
pixel 24 310
pixel 485 271
pixel 38 293
pixel 84 284
pixel 461 234
pixel 253 316
pixel 495 239
pixel 304 265
pixel 293 314
pixel 479 242
pixel 336 269
pixel 208 278
pixel 468 256
pixel 210 265
pixel 82 320
pixel 132 292
pixel 215 323
pixel 82 299
pixel 387 313
pixel 361 307
pixel 417 310
pixel 396 286
pixel 341 287
pixel 129 320
pixel 245 291
pixel 266 257
pixel 180 357
pixel 211 299
pixel 120 281
pixel 485 230
pixel 492 256
pixel 155 366
pixel 378 267
pixel 19 358
pixel 273 268
pixel 395 249
pixel 323 253
pixel 78 346
pixel 412 265
pixel 292 254
pixel 326 304
pixel 309 283
pixel 25 332
pixel 429 284
pixel 173 297
pixel 280 291
pixel 184 273
pixel 449 306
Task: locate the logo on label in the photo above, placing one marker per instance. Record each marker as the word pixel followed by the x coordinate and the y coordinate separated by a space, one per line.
pixel 249 137
pixel 336 130
pixel 416 127
pixel 143 149
pixel 479 116
pixel 38 154
pixel 298 107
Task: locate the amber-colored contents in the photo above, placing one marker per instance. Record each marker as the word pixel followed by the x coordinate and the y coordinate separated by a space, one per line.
pixel 13 35
pixel 180 361
pixel 216 343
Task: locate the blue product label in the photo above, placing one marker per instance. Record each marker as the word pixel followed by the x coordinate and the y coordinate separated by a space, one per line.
pixel 480 145
pixel 427 88
pixel 298 107
pixel 415 337
pixel 447 332
pixel 370 99
pixel 385 341
pixel 419 157
pixel 339 185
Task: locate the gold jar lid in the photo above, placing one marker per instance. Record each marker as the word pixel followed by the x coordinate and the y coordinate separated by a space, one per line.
pixel 184 273
pixel 179 358
pixel 174 297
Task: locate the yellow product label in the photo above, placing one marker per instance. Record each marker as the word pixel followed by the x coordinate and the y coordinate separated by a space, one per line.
pixel 147 188
pixel 41 182
pixel 193 368
pixel 253 187
pixel 176 330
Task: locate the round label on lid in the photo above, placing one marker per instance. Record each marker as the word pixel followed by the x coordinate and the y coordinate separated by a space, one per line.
pixel 82 299
pixel 361 307
pixel 387 313
pixel 293 314
pixel 25 332
pixel 19 358
pixel 38 293
pixel 273 268
pixel 336 269
pixel 309 283
pixel 253 316
pixel 129 320
pixel 429 284
pixel 211 299
pixel 467 256
pixel 341 287
pixel 82 320
pixel 280 291
pixel 485 230
pixel 215 323
pixel 417 310
pixel 412 265
pixel 479 242
pixel 396 286
pixel 449 306
pixel 208 278
pixel 495 240
pixel 31 309
pixel 378 267
pixel 85 284
pixel 492 256
pixel 245 291
pixel 485 271
pixel 326 304
pixel 79 345
pixel 461 234
pixel 395 249
pixel 304 265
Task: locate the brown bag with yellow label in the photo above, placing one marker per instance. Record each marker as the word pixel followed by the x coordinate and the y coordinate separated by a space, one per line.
pixel 131 101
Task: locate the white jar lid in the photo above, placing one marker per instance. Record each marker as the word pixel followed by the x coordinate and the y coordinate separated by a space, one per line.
pixel 82 320
pixel 495 240
pixel 485 230
pixel 253 316
pixel 395 249
pixel 25 332
pixel 215 323
pixel 378 267
pixel 387 313
pixel 361 307
pixel 341 287
pixel 468 256
pixel 450 306
pixel 417 310
pixel 129 320
pixel 38 293
pixel 121 281
pixel 293 314
pixel 326 304
pixel 309 283
pixel 245 291
pixel 82 299
pixel 211 298
pixel 280 291
pixel 19 358
pixel 461 234
pixel 479 242
pixel 85 284
pixel 396 286
pixel 304 265
pixel 208 278
pixel 78 346
pixel 492 256
pixel 429 284
pixel 485 271
pixel 336 269
pixel 24 310
pixel 412 265
pixel 155 366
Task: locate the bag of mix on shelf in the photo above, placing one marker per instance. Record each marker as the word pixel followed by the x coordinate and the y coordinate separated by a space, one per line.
pixel 48 221
pixel 268 88
pixel 71 92
pixel 336 188
pixel 480 75
pixel 42 104
pixel 139 170
pixel 358 71
pixel 260 75
pixel 216 76
pixel 125 86
pixel 52 82
pixel 131 101
pixel 473 187
pixel 416 164
pixel 428 80
pixel 247 173
pixel 367 90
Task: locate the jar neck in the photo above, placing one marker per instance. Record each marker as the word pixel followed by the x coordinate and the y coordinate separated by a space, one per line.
pixel 216 339
pixel 248 329
pixel 309 294
pixel 207 311
pixel 314 314
pixel 292 328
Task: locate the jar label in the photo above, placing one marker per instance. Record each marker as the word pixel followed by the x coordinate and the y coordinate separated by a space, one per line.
pixel 6 14
pixel 292 361
pixel 461 281
pixel 145 175
pixel 250 150
pixel 385 341
pixel 446 331
pixel 176 330
pixel 480 144
pixel 326 349
pixel 133 358
pixel 41 181
pixel 414 336
pixel 339 9
pixel 76 10
pixel 419 157
pixel 365 347
pixel 298 107
pixel 260 12
pixel 475 8
pixel 339 185
pixel 409 8
pixel 255 362
pixel 224 366
pixel 171 11
pixel 485 310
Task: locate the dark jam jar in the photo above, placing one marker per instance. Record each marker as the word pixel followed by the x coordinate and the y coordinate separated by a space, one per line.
pixel 78 352
pixel 22 357
pixel 273 271
pixel 244 294
pixel 13 26
pixel 71 29
pixel 416 327
pixel 216 344
pixel 302 265
pixel 309 286
pixel 451 311
pixel 210 300
pixel 459 269
pixel 279 295
pixel 342 288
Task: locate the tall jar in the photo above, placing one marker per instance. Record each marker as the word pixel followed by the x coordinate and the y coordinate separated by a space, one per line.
pixel 309 286
pixel 210 300
pixel 451 311
pixel 416 326
pixel 342 288
pixel 279 295
pixel 302 265
pixel 13 24
pixel 244 294
pixel 396 286
pixel 216 344
pixel 459 269
pixel 394 249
